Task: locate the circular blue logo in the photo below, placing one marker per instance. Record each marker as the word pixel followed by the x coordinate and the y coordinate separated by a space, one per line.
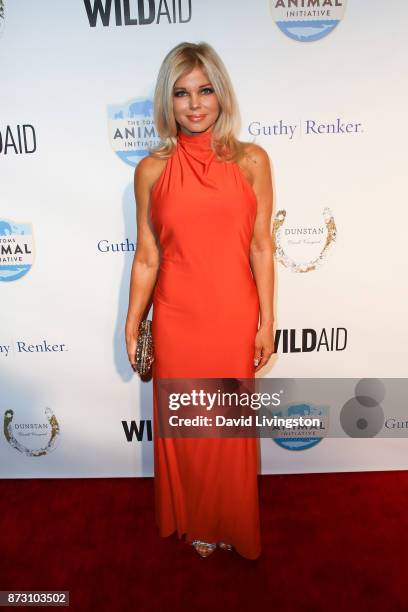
pixel 310 20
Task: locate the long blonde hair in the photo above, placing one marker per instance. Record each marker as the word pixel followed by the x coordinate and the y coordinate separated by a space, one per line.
pixel 179 61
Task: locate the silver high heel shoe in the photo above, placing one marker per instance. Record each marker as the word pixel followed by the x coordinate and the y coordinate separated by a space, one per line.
pixel 204 549
pixel 225 546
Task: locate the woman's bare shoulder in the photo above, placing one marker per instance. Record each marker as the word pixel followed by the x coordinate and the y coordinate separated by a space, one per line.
pixel 255 153
pixel 149 169
pixel 254 161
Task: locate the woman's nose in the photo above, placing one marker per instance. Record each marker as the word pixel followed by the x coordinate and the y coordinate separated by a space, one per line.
pixel 194 100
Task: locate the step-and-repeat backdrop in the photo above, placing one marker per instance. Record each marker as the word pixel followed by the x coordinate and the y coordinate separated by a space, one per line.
pixel 322 86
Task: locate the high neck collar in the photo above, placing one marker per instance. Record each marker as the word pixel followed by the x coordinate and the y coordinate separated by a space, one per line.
pixel 199 141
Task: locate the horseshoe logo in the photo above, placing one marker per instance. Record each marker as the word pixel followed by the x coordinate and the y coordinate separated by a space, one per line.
pixel 308 266
pixel 12 440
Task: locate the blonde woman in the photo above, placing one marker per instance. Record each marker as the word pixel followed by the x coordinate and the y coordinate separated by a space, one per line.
pixel 204 252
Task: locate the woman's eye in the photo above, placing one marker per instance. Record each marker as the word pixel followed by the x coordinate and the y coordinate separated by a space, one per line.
pixel 204 90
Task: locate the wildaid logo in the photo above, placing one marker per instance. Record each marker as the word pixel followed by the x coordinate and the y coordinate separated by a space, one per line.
pixel 307 20
pixel 310 340
pixel 19 140
pixel 131 129
pixel 138 430
pixel 39 438
pixel 137 12
pixel 303 248
pixel 16 249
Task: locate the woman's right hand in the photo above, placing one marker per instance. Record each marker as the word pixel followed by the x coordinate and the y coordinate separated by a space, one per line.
pixel 131 335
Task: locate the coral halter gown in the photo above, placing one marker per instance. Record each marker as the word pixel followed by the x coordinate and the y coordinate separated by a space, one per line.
pixel 205 318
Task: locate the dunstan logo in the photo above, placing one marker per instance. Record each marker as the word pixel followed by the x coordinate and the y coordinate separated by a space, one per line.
pixel 307 20
pixel 303 249
pixel 30 433
pixel 131 129
pixel 16 249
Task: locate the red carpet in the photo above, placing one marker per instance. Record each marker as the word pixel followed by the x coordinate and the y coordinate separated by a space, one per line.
pixel 330 542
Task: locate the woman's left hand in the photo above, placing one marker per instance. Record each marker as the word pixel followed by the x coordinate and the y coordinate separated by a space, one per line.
pixel 263 346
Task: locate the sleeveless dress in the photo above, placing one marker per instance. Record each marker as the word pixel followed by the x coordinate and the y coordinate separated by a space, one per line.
pixel 205 318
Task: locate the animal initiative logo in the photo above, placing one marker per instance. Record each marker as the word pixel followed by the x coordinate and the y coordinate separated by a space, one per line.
pixel 301 437
pixel 131 129
pixel 16 249
pixel 307 20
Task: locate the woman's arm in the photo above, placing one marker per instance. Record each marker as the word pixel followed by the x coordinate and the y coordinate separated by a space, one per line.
pixel 262 251
pixel 146 260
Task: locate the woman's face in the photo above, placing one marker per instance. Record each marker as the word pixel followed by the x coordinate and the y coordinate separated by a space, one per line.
pixel 195 104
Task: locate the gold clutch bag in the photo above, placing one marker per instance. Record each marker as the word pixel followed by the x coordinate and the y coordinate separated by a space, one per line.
pixel 144 348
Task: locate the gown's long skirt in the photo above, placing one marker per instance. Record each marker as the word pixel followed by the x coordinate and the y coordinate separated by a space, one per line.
pixel 205 318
